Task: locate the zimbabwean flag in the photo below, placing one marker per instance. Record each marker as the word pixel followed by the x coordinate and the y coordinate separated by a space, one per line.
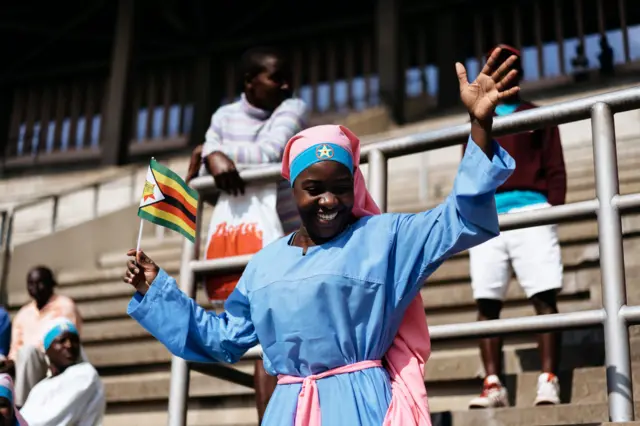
pixel 168 201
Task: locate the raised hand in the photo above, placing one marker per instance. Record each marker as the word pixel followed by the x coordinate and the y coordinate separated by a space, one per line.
pixel 491 86
pixel 141 271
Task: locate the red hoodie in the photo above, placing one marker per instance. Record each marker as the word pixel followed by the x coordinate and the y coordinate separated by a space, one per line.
pixel 539 162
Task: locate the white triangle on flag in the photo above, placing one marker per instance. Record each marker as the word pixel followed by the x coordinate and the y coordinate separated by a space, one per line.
pixel 151 193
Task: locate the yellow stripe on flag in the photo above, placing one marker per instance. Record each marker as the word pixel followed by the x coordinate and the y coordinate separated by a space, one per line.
pixel 165 180
pixel 152 210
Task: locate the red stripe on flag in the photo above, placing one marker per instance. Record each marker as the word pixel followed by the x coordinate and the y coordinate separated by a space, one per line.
pixel 167 190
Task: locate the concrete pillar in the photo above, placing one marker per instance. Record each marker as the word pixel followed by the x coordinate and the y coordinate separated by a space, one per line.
pixel 6 98
pixel 391 72
pixel 208 83
pixel 117 120
pixel 446 57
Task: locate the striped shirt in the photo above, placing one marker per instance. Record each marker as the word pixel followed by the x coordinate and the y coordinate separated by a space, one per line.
pixel 251 137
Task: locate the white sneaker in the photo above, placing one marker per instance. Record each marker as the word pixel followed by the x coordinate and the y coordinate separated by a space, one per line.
pixel 548 390
pixel 493 395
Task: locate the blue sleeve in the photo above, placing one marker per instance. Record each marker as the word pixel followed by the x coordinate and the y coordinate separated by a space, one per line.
pixel 467 217
pixel 188 330
pixel 5 332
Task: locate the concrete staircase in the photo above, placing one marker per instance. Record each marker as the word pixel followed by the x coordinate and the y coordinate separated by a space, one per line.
pixel 135 367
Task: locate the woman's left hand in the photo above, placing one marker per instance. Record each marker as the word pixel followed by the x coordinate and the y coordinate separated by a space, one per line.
pixel 483 95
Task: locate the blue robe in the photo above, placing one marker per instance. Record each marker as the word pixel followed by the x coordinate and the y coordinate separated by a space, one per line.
pixel 339 304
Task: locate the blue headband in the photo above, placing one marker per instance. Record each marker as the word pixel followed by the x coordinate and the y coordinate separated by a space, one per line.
pixel 56 331
pixel 6 393
pixel 325 151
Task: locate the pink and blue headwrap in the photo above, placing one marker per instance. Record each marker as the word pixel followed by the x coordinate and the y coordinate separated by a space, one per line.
pixel 6 391
pixel 56 328
pixel 325 151
pixel 329 142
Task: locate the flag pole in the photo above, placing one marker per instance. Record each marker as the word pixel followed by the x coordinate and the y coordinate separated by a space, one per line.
pixel 141 222
pixel 139 235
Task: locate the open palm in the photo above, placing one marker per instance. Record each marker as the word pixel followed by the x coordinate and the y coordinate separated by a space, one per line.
pixel 483 95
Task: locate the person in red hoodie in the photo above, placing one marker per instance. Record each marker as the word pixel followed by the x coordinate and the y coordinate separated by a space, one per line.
pixel 533 254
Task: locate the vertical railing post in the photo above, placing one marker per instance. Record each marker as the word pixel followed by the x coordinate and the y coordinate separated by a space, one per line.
pixel 616 333
pixel 378 178
pixel 96 199
pixel 4 217
pixel 54 213
pixel 179 389
pixel 5 253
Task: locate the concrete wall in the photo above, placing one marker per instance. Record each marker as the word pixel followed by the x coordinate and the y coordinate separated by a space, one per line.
pixel 77 247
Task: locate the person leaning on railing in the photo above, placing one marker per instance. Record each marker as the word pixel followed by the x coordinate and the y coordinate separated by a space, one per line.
pixel 534 253
pixel 329 302
pixel 250 132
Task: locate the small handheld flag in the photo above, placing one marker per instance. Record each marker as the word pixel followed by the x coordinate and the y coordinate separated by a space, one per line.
pixel 168 201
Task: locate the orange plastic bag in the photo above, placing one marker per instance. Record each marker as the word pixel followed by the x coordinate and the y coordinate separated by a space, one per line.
pixel 240 225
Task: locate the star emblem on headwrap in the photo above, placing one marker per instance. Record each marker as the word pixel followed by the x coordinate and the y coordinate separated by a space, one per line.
pixel 324 151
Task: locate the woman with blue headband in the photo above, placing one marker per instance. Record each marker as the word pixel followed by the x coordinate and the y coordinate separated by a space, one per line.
pixel 329 303
pixel 73 394
pixel 9 414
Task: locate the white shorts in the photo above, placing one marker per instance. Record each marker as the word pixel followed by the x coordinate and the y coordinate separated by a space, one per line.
pixel 533 253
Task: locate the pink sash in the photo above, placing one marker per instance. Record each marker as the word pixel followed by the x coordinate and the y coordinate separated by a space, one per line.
pixel 308 410
pixel 405 363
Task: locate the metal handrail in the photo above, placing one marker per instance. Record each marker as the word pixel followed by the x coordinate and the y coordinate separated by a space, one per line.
pixel 616 316
pixel 550 115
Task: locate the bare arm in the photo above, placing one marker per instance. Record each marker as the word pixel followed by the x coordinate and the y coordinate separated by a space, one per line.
pixel 481 135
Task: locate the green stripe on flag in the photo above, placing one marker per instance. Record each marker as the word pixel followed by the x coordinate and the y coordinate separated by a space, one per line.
pixel 162 222
pixel 173 176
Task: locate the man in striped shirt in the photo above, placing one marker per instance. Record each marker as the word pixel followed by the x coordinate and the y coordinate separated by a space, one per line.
pixel 250 132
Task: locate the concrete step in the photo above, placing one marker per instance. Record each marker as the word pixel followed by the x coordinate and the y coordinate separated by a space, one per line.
pixel 563 414
pixel 122 342
pixel 578 161
pixel 106 309
pixel 586 415
pixel 582 376
pixel 155 386
pixel 445 303
pixel 579 176
pixel 581 236
pixel 583 386
pixel 162 252
pixel 168 253
pixel 580 386
pixel 447 292
pixel 404 197
pixel 196 416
